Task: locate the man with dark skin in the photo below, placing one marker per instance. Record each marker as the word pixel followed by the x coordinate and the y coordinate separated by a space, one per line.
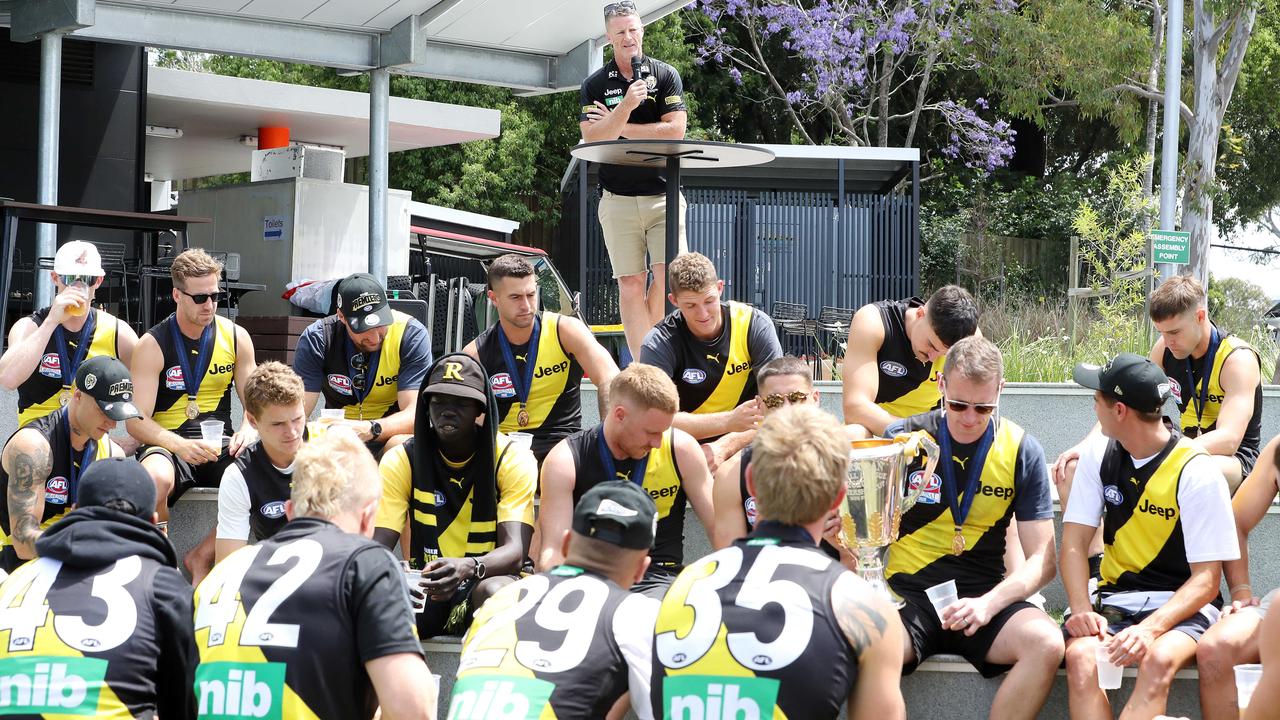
pixel 466 492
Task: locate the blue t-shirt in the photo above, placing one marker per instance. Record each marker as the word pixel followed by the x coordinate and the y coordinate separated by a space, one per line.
pixel 309 360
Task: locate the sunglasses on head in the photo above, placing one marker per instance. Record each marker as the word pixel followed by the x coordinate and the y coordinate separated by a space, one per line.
pixel 202 298
pixel 776 400
pixel 980 408
pixel 624 7
pixel 360 364
pixel 70 280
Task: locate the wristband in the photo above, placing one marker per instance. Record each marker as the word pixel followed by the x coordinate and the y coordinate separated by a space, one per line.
pixel 1245 586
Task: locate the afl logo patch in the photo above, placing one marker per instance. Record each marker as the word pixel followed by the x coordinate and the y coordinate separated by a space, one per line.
pixel 502 386
pixel 51 366
pixel 273 510
pixel 1113 495
pixel 439 499
pixel 893 369
pixel 56 490
pixel 749 506
pixel 173 379
pixel 1175 389
pixel 693 376
pixel 340 383
pixel 931 492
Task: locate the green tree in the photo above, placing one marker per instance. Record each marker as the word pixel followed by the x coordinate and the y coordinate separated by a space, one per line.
pixel 1237 305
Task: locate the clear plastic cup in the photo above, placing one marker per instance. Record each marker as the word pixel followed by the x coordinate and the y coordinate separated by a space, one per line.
pixel 1247 678
pixel 521 439
pixel 332 414
pixel 413 578
pixel 1110 675
pixel 81 308
pixel 942 595
pixel 211 433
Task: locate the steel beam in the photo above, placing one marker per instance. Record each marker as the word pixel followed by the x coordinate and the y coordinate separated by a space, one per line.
pixel 1169 149
pixel 486 66
pixel 33 19
pixel 47 156
pixel 379 92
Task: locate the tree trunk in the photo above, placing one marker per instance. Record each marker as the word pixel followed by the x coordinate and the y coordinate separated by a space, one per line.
pixel 886 81
pixel 1153 108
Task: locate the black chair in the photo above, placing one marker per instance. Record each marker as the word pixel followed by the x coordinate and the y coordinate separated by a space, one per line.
pixel 793 323
pixel 834 322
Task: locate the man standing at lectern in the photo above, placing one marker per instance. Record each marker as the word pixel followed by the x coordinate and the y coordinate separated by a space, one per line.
pixel 634 97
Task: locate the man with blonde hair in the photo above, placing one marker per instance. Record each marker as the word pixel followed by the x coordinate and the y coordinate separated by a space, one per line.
pixel 637 443
pixel 991 474
pixel 780 629
pixel 314 621
pixel 712 349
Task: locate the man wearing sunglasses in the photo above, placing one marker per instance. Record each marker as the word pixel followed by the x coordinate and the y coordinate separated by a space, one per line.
pixel 991 474
pixel 634 97
pixel 47 348
pixel 1167 527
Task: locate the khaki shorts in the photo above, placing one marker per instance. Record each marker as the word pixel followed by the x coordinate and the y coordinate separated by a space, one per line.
pixel 634 225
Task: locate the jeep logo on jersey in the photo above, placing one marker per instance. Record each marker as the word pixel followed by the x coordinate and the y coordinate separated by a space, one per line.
pixel 56 491
pixel 736 368
pixel 496 697
pixel 273 510
pixel 1159 511
pixel 502 386
pixel 51 685
pixel 551 369
pixel 173 379
pixel 240 690
pixel 693 376
pixel 707 697
pixel 1176 390
pixel 340 383
pixel 51 366
pixel 931 493
pixel 1113 495
pixel 1004 493
pixel 893 369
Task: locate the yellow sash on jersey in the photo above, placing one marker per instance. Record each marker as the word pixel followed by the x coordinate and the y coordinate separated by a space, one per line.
pixel 923 398
pixel 382 396
pixel 549 379
pixel 1213 403
pixel 103 343
pixel 1140 539
pixel 217 378
pixel 911 553
pixel 737 367
pixel 661 477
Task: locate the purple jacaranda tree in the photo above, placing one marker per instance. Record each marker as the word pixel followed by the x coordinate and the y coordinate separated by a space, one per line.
pixel 869 66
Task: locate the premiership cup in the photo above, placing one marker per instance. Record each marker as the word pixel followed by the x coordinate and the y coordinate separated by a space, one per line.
pixel 876 495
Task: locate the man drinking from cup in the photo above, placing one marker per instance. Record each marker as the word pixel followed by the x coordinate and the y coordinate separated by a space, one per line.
pixel 47 348
pixel 991 473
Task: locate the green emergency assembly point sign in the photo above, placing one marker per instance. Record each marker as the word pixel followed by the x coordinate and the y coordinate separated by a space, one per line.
pixel 1171 246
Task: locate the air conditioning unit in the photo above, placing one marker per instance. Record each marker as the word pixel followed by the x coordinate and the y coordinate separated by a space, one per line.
pixel 298 161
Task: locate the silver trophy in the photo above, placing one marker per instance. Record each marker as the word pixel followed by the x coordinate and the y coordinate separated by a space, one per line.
pixel 876 495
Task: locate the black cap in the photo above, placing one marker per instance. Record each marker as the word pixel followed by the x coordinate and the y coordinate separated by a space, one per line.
pixel 107 381
pixel 118 478
pixel 619 513
pixel 458 374
pixel 363 302
pixel 1131 379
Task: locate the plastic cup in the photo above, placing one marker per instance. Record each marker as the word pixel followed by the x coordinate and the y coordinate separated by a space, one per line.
pixel 413 578
pixel 942 595
pixel 1110 675
pixel 332 415
pixel 521 439
pixel 1247 678
pixel 81 308
pixel 211 433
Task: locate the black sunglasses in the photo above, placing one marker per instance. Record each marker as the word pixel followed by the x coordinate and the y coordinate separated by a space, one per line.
pixel 775 400
pixel 70 280
pixel 360 364
pixel 202 298
pixel 624 7
pixel 980 408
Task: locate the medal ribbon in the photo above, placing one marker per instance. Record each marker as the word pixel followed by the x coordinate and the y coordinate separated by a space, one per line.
pixel 73 472
pixel 71 365
pixel 370 371
pixel 1200 397
pixel 191 380
pixel 961 503
pixel 611 470
pixel 522 381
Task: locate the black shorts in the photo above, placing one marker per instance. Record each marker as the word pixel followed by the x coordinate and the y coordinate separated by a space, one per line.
pixel 447 617
pixel 1119 619
pixel 924 630
pixel 655 582
pixel 187 476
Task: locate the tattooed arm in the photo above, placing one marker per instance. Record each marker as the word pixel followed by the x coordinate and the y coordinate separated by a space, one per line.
pixel 27 461
pixel 875 633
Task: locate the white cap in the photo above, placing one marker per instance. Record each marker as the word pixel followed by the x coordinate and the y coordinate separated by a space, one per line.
pixel 78 258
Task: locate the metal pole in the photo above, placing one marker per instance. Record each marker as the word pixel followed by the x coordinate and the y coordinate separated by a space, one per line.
pixel 379 91
pixel 1172 104
pixel 673 215
pixel 47 156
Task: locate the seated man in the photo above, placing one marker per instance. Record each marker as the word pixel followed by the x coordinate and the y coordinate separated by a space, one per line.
pixel 536 360
pixel 604 636
pixel 367 359
pixel 637 443
pixel 1167 526
pixel 769 626
pixel 466 492
pixel 712 349
pixel 991 473
pixel 43 461
pixel 1233 640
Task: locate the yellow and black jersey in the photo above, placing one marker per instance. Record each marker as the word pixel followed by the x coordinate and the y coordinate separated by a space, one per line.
pixel 553 643
pixel 60 487
pixel 1013 485
pixel 214 395
pixel 749 631
pixel 716 375
pixel 658 474
pixel 285 627
pixel 907 386
pixel 1200 405
pixel 554 402
pixel 42 392
pixel 1141 525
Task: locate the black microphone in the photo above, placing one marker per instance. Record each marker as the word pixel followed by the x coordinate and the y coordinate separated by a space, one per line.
pixel 635 69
